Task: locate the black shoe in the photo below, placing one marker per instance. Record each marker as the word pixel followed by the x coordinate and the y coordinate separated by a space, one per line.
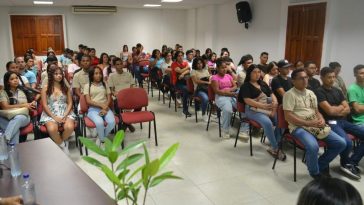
pixel 188 114
pixel 131 128
pixel 316 176
pixel 351 171
pixel 325 173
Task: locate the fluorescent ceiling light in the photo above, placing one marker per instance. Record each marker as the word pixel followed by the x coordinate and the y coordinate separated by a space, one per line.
pixel 152 5
pixel 43 2
pixel 171 1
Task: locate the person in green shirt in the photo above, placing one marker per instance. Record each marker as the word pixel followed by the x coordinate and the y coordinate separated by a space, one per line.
pixel 356 96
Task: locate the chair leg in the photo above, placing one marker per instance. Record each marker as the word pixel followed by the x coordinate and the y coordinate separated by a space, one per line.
pixel 196 111
pixel 155 132
pixel 170 99
pixel 275 158
pixel 141 126
pixel 251 143
pixel 237 135
pixel 159 95
pixel 219 116
pixel 208 121
pixel 151 88
pixel 175 102
pixel 294 162
pixel 149 130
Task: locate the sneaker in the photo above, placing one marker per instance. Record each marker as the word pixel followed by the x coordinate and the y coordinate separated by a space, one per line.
pixel 243 136
pixel 225 134
pixel 131 128
pixel 351 171
pixel 187 114
pixel 205 118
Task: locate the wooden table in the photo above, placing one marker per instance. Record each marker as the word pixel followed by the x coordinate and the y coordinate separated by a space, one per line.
pixel 58 180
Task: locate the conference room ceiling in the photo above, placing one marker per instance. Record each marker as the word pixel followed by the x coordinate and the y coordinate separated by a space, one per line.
pixel 185 4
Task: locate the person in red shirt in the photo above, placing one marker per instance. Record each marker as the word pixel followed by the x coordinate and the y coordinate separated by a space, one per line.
pixel 181 71
pixel 94 59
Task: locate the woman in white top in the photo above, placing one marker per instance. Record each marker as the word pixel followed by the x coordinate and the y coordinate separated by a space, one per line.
pixel 272 71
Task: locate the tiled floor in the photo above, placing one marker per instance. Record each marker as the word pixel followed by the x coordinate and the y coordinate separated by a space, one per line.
pixel 213 171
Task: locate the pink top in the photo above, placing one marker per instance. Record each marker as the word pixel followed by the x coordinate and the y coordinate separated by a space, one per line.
pixel 224 82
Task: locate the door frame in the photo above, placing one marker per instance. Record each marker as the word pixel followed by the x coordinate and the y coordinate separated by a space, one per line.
pixel 330 10
pixel 65 37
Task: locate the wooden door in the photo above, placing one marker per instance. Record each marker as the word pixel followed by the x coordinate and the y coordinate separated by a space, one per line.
pixel 38 32
pixel 305 32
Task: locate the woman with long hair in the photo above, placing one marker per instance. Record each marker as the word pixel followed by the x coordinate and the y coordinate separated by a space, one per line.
pixel 10 98
pixel 261 106
pixel 57 114
pixel 98 98
pixel 104 61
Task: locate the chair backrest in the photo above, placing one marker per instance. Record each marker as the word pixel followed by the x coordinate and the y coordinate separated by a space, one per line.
pixel 83 104
pixel 132 98
pixel 190 86
pixel 210 93
pixel 282 123
pixel 144 63
pixel 240 106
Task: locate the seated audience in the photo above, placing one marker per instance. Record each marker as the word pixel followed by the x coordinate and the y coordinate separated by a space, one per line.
pixel 81 78
pixel 339 82
pixel 94 59
pixel 272 71
pixel 110 68
pixel 29 65
pixel 24 72
pixel 356 96
pixel 11 97
pixel 243 65
pixel 263 65
pixel 282 83
pixel 98 98
pixel 189 58
pixel 180 70
pixel 103 61
pixel 334 108
pixel 72 68
pixel 201 79
pixel 12 67
pixel 261 106
pixel 155 63
pixel 329 191
pixel 57 113
pixel 212 63
pixel 224 88
pixel 307 125
pixel 311 70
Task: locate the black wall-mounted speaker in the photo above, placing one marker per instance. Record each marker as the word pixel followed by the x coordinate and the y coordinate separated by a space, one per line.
pixel 244 12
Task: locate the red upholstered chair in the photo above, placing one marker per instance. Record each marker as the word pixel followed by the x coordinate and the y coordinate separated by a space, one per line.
pixel 131 99
pixel 282 123
pixel 87 122
pixel 212 105
pixel 191 90
pixel 241 109
pixel 30 127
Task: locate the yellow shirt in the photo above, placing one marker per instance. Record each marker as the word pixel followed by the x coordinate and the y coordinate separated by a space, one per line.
pixel 97 93
pixel 80 79
pixel 301 103
pixel 120 81
pixel 19 95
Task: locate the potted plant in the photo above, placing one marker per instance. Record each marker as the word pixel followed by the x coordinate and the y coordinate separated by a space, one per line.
pixel 128 181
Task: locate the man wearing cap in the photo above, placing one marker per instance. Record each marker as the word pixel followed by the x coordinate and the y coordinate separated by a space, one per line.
pixel 282 83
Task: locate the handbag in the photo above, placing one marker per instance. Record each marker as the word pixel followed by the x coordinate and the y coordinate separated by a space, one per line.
pixel 262 98
pixel 30 93
pixel 11 113
pixel 319 132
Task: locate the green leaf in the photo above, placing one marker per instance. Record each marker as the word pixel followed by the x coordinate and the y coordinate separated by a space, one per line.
pixel 146 154
pixel 131 147
pixel 167 175
pixel 136 184
pixel 91 145
pixel 168 155
pixel 112 177
pixel 153 167
pixel 93 161
pixel 121 195
pixel 123 174
pixel 108 145
pixel 129 161
pixel 119 137
pixel 145 176
pixel 113 156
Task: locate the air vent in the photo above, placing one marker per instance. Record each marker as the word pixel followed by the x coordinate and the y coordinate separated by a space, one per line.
pixel 94 9
pixel 300 1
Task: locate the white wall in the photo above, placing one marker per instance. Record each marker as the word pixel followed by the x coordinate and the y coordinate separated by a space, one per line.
pixel 106 33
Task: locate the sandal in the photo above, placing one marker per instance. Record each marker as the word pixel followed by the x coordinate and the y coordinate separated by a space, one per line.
pixel 279 154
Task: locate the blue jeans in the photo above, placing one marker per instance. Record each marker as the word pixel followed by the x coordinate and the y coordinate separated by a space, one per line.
pixel 341 128
pixel 204 100
pixel 12 127
pixel 335 145
pixel 267 124
pixel 226 105
pixel 185 95
pixel 137 72
pixel 109 118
